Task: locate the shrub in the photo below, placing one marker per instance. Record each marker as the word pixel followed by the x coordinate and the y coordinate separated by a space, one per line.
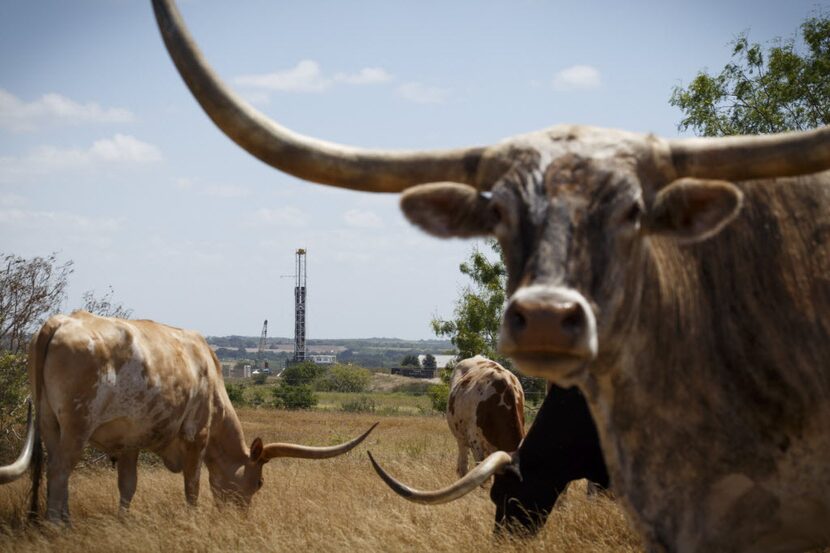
pixel 439 395
pixel 259 378
pixel 293 397
pixel 302 374
pixel 14 382
pixel 344 378
pixel 14 387
pixel 257 397
pixel 236 393
pixel 362 404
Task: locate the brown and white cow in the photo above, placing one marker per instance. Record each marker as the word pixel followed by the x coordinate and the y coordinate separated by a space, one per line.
pixel 485 410
pixel 128 385
pixel 683 285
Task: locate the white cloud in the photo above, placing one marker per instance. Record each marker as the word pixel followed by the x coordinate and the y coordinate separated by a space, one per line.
pixel 17 115
pixel 119 150
pixel 423 94
pixel 123 148
pixel 287 216
pixel 577 77
pixel 362 219
pixel 367 75
pixel 307 76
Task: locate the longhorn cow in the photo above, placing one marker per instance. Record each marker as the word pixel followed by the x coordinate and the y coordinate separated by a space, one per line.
pixel 562 445
pixel 127 385
pixel 485 410
pixel 683 285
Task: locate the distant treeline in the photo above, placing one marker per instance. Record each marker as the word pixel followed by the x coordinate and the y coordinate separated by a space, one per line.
pixel 425 346
pixel 372 353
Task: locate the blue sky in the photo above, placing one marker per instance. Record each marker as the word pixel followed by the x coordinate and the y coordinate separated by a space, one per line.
pixel 106 159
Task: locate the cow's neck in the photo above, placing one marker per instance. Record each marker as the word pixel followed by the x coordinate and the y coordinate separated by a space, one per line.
pixel 226 448
pixel 715 382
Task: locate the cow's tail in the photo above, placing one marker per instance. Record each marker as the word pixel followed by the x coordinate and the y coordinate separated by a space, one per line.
pixel 37 359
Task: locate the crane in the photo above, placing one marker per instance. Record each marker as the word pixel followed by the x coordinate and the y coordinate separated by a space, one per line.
pixel 261 363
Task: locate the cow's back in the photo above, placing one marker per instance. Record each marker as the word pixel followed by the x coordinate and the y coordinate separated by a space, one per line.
pixel 127 384
pixel 486 406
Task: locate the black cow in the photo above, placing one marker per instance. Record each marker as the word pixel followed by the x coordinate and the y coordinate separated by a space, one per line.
pixel 561 446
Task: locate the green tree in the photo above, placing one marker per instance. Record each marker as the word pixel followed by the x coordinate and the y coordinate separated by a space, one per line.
pixel 30 291
pixel 344 378
pixel 429 362
pixel 439 395
pixel 302 374
pixel 294 397
pixel 475 328
pixel 785 86
pixel 410 360
pixel 236 393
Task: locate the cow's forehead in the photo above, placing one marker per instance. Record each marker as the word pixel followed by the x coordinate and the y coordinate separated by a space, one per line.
pixel 542 154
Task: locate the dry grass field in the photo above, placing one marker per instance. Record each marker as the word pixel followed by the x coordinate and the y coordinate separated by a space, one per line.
pixel 330 505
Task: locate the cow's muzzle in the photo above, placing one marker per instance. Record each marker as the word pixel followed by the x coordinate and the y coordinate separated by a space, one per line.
pixel 549 331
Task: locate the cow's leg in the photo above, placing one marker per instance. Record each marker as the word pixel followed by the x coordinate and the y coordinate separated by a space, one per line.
pixel 64 453
pixel 192 467
pixel 463 453
pixel 61 456
pixel 127 478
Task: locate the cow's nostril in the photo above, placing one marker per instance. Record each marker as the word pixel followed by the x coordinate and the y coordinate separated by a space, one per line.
pixel 574 320
pixel 517 321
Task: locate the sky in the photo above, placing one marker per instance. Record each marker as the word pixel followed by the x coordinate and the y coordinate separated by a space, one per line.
pixel 106 159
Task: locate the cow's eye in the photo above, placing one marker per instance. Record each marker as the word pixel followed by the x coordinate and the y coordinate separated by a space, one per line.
pixel 496 213
pixel 259 484
pixel 632 216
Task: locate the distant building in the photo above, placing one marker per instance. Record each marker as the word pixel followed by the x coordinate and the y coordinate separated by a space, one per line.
pixel 228 371
pixel 413 372
pixel 317 359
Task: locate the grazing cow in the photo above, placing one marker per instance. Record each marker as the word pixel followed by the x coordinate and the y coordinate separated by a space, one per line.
pixel 126 385
pixel 683 285
pixel 485 410
pixel 561 446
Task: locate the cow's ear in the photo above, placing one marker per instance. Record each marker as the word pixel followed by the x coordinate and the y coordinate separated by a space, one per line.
pixel 690 210
pixel 256 449
pixel 448 209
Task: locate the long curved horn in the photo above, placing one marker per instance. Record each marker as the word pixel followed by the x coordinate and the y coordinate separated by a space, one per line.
pixel 752 157
pixel 484 470
pixel 298 155
pixel 271 451
pixel 14 471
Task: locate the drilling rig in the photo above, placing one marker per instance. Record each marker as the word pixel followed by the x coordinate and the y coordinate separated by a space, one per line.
pixel 299 307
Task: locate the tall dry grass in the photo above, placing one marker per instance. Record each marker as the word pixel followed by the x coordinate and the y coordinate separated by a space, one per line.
pixel 331 505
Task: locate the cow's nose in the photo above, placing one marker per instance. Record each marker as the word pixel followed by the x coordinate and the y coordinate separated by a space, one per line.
pixel 543 323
